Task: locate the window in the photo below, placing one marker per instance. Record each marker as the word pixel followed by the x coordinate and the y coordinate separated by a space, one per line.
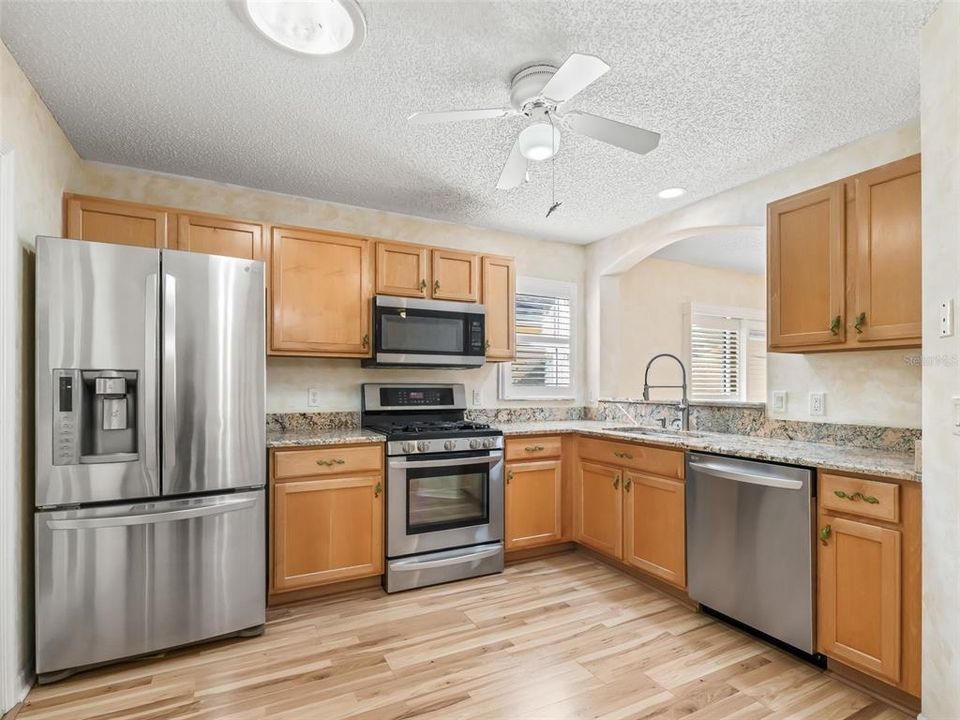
pixel 726 353
pixel 544 367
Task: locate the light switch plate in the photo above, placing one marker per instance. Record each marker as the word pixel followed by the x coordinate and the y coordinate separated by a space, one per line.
pixel 818 404
pixel 956 415
pixel 946 318
pixel 779 400
pixel 314 395
pixel 477 397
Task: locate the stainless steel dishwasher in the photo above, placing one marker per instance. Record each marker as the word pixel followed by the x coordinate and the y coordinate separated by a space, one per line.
pixel 750 544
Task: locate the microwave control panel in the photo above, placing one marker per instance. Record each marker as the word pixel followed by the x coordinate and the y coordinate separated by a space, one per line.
pixel 476 336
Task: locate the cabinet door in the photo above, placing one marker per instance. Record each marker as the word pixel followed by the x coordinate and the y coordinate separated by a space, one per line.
pixel 888 286
pixel 402 270
pixel 805 268
pixel 326 530
pixel 859 595
pixel 499 285
pixel 456 276
pixel 533 504
pixel 598 507
pixel 220 236
pixel 320 294
pixel 654 528
pixel 118 222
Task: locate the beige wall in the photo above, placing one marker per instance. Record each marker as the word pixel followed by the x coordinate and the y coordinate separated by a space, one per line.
pixel 43 159
pixel 940 137
pixel 289 378
pixel 643 315
pixel 873 388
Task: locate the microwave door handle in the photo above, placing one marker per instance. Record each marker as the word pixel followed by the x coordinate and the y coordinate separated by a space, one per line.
pixel 446 462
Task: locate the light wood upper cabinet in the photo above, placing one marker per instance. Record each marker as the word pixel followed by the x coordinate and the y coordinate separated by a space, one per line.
pixel 320 298
pixel 654 526
pixel 499 290
pixel 220 236
pixel 533 503
pixel 326 530
pixel 859 595
pixel 115 221
pixel 598 508
pixel 456 276
pixel 888 252
pixel 402 269
pixel 805 268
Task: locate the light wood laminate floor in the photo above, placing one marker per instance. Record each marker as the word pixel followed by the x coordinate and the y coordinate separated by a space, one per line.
pixel 562 637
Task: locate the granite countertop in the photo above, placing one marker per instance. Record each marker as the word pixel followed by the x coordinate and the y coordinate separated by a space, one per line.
pixel 308 437
pixel 828 457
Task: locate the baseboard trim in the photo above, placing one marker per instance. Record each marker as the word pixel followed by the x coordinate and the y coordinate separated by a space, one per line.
pixel 650 581
pixel 900 699
pixel 532 553
pixel 323 591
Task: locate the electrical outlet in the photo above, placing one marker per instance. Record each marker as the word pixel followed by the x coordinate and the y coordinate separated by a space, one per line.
pixel 956 415
pixel 477 397
pixel 313 397
pixel 818 404
pixel 779 400
pixel 946 318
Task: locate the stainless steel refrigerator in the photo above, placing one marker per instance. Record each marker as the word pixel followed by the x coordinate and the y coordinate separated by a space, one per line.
pixel 150 451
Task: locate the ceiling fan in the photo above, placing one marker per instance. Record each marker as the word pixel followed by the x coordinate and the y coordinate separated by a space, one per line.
pixel 539 92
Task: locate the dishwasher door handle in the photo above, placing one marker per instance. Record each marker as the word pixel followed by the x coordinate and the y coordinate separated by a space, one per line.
pixel 741 476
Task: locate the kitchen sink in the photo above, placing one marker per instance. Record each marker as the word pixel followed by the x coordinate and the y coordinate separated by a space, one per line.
pixel 656 431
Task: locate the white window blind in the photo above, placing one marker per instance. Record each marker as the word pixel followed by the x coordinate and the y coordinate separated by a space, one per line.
pixel 715 367
pixel 544 336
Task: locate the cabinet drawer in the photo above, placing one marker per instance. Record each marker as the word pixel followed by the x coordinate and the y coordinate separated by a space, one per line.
pixel 855 496
pixel 533 448
pixel 658 461
pixel 332 460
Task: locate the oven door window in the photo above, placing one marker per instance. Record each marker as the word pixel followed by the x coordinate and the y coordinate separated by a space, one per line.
pixel 444 498
pixel 422 332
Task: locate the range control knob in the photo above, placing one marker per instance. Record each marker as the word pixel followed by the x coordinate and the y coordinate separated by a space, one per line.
pixel 423 445
pixel 488 443
pixel 450 445
pixel 409 447
pixel 474 444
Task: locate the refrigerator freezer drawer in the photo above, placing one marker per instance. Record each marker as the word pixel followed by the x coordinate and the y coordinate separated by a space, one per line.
pixel 119 581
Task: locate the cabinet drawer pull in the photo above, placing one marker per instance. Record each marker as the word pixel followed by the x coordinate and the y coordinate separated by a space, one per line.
pixel 423 285
pixel 378 488
pixel 623 455
pixel 872 500
pixel 436 285
pixel 365 342
pixel 825 533
pixel 861 321
pixel 627 484
pixel 509 476
pixel 835 326
pixel 334 461
pixel 616 483
pixel 533 448
pixel 486 345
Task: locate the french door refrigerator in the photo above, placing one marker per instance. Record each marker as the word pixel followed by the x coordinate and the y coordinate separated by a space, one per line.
pixel 150 451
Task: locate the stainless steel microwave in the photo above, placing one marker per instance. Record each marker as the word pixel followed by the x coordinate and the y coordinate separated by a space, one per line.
pixel 410 332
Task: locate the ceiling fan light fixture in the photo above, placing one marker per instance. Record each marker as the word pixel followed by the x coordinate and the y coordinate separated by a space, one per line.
pixel 319 28
pixel 670 193
pixel 539 141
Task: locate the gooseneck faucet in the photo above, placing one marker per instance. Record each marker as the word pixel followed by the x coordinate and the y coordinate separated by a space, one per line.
pixel 684 405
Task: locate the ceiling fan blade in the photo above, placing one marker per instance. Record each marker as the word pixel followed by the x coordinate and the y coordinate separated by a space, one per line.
pixel 573 76
pixel 514 170
pixel 422 118
pixel 610 131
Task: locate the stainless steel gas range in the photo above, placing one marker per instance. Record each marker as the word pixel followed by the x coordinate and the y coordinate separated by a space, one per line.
pixel 444 485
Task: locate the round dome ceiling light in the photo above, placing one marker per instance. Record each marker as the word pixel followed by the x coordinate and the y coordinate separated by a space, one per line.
pixel 539 141
pixel 319 28
pixel 670 193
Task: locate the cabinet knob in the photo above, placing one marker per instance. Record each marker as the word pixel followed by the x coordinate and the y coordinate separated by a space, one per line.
pixel 509 476
pixel 423 285
pixel 365 342
pixel 861 321
pixel 378 488
pixel 825 533
pixel 616 483
pixel 436 285
pixel 835 326
pixel 627 484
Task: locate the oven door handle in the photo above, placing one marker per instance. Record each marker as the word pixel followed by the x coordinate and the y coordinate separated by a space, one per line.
pixel 447 462
pixel 414 564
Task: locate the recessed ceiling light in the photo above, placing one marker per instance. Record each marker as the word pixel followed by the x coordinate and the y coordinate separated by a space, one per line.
pixel 670 193
pixel 310 27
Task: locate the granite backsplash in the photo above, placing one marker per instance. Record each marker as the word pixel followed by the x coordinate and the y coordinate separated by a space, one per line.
pixel 746 419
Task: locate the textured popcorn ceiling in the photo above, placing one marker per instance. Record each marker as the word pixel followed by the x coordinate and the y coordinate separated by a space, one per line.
pixel 747 254
pixel 738 90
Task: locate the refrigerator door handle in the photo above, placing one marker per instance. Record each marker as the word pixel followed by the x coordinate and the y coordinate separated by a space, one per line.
pixel 150 517
pixel 169 371
pixel 148 434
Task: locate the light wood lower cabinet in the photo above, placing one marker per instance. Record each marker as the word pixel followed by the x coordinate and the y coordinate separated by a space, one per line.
pixel 533 503
pixel 654 526
pixel 326 530
pixel 598 508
